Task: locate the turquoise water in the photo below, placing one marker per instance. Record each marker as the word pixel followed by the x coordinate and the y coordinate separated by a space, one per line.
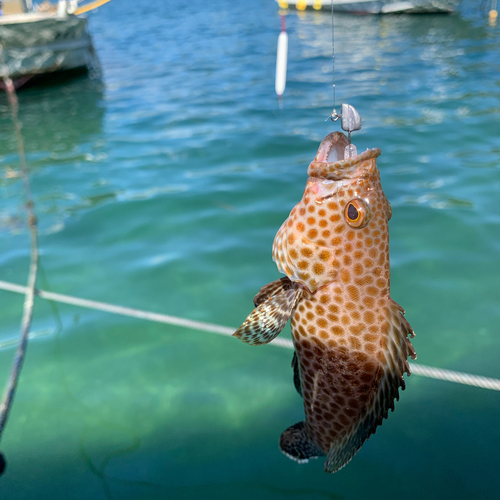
pixel 162 188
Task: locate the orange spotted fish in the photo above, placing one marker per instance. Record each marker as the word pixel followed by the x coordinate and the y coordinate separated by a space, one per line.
pixel 351 339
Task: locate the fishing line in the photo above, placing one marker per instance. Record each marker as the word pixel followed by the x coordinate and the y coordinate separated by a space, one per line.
pixel 334 117
pixel 350 118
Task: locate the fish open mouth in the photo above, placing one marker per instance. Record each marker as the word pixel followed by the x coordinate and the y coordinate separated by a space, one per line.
pixel 332 148
pixel 329 162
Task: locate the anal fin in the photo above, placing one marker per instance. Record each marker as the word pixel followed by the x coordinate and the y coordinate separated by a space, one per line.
pixel 296 373
pixel 295 444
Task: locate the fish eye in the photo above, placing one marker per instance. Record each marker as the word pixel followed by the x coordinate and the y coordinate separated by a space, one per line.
pixel 356 213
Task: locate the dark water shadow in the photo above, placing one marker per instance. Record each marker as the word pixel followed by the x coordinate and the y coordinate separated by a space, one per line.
pixel 97 469
pixel 55 118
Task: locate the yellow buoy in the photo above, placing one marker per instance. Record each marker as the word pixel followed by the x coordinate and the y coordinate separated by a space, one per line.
pixel 283 4
pixel 317 5
pixel 492 17
pixel 301 4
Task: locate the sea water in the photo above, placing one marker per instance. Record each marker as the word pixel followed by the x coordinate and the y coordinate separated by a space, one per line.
pixel 161 186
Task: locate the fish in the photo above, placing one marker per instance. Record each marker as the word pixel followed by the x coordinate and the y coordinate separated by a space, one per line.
pixel 351 340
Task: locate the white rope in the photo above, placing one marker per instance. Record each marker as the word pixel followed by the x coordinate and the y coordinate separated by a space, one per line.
pixel 417 369
pixel 134 313
pixel 457 377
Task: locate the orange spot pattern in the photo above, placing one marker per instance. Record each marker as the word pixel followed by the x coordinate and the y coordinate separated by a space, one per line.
pixel 341 327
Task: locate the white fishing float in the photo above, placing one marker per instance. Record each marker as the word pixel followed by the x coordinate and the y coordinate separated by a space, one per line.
pixel 281 59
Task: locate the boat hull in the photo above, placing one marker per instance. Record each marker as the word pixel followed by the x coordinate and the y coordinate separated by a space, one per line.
pixel 374 6
pixel 35 44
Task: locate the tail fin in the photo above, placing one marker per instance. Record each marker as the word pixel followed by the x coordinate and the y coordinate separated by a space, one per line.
pixel 295 444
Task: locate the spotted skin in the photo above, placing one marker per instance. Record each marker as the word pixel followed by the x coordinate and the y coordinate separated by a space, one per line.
pixel 351 338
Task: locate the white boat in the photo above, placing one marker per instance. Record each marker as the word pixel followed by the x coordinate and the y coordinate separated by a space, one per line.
pixel 374 6
pixel 41 43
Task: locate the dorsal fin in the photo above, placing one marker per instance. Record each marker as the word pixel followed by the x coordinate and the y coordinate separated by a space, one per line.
pixel 389 380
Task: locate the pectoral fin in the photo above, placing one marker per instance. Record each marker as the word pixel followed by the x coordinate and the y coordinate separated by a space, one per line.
pixel 269 318
pixel 271 289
